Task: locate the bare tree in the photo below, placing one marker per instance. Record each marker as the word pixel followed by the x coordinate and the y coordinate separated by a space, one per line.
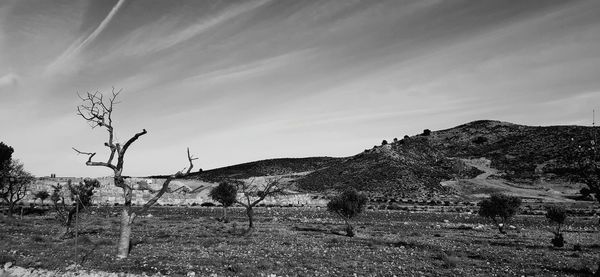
pixel 14 184
pixel 254 193
pixel 98 111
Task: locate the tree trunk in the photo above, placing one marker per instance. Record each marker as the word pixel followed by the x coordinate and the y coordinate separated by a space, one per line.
pixel 349 229
pixel 68 222
pixel 250 214
pixel 501 229
pixel 11 209
pixel 225 215
pixel 127 218
pixel 500 226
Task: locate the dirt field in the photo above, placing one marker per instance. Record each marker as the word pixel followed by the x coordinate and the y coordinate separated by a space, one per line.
pixel 307 242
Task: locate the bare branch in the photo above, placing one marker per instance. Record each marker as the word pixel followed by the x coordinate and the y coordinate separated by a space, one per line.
pixel 165 185
pixel 92 163
pixel 122 151
pixel 190 159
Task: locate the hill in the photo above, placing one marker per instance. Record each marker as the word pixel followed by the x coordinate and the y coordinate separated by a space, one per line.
pixel 283 166
pixel 469 160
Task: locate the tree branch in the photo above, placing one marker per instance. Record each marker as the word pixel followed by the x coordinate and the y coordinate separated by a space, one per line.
pixel 91 163
pixel 165 185
pixel 122 151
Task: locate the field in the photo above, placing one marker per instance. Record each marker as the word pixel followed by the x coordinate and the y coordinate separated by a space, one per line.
pixel 306 242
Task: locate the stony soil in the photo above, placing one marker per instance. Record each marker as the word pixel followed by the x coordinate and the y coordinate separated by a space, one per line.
pixel 302 242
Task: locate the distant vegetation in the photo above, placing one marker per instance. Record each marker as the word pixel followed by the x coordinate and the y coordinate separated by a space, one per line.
pixel 226 194
pixel 348 205
pixel 500 209
pixel 557 215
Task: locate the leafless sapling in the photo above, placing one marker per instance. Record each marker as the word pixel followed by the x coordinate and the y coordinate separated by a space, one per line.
pixel 253 193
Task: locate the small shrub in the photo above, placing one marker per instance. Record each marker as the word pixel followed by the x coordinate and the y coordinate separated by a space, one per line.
pixel 426 132
pixel 480 140
pixel 226 194
pixel 384 142
pixel 558 215
pixel 348 205
pixel 499 208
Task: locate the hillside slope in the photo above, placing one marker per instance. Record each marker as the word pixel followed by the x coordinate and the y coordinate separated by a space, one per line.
pixel 536 162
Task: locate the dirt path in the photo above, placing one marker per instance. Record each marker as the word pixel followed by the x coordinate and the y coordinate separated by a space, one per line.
pixel 483 182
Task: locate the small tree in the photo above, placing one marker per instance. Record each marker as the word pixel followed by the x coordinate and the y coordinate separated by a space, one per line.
pixel 558 215
pixel 426 132
pixel 42 195
pixel 81 198
pixel 226 194
pixel 499 208
pixel 384 142
pixel 254 193
pixel 348 205
pixel 14 184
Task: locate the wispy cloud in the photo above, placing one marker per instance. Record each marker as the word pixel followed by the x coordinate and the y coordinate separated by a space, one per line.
pixel 131 45
pixel 63 60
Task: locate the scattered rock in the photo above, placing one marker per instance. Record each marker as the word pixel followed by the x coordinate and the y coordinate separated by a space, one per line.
pixel 149 215
pixel 478 227
pixel 7 265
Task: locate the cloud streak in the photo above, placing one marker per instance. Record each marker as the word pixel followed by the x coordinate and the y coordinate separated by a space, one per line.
pixel 63 60
pixel 250 79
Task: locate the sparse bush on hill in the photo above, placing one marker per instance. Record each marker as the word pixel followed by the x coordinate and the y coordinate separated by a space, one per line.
pixel 426 132
pixel 558 215
pixel 480 140
pixel 226 194
pixel 384 142
pixel 499 208
pixel 348 205
pixel 585 192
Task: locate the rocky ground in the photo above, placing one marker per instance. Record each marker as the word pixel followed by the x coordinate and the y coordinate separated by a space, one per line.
pixel 301 242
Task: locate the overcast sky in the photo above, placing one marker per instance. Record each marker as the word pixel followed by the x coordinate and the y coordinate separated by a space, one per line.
pixel 239 81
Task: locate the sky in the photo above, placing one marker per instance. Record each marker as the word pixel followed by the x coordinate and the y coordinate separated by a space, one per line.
pixel 239 81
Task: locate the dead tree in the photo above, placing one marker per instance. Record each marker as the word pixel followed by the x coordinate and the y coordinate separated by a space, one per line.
pixel 254 193
pixel 98 112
